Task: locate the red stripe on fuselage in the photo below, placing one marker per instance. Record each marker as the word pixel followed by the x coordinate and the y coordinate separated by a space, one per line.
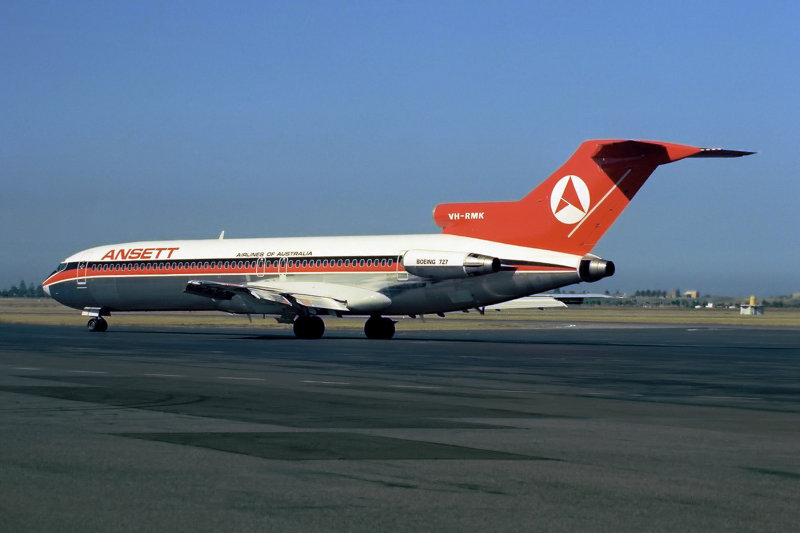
pixel 159 268
pixel 72 273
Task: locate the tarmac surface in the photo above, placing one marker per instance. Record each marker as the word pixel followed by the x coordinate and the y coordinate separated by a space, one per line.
pixel 557 428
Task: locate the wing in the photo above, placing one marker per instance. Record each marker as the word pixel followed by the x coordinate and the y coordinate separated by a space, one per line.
pixel 542 301
pixel 296 294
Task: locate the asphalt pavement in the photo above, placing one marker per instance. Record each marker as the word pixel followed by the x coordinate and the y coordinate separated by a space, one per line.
pixel 557 428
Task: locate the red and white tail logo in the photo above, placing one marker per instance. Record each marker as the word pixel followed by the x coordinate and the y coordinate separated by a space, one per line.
pixel 570 199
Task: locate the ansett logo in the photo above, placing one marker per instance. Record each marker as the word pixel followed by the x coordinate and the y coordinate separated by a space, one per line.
pixel 569 200
pixel 139 253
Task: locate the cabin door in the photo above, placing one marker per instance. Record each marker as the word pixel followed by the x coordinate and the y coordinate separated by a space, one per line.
pixel 402 274
pixel 83 266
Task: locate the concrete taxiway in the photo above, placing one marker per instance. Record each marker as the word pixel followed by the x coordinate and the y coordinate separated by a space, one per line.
pixel 554 428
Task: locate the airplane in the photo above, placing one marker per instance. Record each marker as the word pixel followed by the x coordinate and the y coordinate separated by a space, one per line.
pixel 487 253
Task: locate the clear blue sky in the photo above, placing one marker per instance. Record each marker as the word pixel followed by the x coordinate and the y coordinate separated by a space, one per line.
pixel 153 120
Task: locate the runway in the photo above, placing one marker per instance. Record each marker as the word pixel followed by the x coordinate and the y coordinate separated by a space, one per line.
pixel 558 428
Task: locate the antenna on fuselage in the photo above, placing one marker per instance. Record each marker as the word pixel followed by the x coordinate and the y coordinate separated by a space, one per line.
pixel 221 235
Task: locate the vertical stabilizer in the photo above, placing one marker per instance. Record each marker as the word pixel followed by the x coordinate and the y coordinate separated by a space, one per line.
pixel 572 209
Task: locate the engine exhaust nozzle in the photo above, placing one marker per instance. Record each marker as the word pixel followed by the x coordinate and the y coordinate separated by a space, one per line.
pixel 595 269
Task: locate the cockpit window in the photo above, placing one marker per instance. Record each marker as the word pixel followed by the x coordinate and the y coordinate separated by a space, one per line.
pixel 60 268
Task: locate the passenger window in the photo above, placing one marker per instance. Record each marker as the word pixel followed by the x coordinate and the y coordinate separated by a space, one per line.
pixel 390 262
pixel 361 263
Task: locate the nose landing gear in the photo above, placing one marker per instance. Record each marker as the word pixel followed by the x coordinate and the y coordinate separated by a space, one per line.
pixel 378 327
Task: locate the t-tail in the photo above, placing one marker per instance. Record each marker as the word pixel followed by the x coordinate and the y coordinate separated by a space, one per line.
pixel 572 209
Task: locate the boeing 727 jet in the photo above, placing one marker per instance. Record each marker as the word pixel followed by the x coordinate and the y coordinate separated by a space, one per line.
pixel 487 253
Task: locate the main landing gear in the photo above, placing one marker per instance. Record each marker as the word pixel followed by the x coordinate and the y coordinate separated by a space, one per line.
pixel 312 327
pixel 308 327
pixel 378 327
pixel 97 324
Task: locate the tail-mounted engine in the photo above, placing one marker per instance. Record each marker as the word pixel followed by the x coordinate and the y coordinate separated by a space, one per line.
pixel 595 269
pixel 435 264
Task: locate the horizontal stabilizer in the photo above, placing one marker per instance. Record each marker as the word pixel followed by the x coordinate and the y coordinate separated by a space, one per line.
pixel 720 152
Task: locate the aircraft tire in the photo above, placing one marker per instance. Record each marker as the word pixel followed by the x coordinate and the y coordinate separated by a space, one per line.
pixel 379 328
pixel 98 324
pixel 308 327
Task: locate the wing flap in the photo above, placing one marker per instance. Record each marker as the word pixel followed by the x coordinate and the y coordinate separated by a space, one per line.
pixel 331 296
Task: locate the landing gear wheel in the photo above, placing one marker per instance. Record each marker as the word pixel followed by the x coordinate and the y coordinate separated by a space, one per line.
pixel 308 327
pixel 97 324
pixel 379 328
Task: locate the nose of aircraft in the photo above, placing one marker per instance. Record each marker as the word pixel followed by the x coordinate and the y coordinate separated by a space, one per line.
pixel 46 289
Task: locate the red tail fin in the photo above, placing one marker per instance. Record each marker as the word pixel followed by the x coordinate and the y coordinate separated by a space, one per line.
pixel 574 207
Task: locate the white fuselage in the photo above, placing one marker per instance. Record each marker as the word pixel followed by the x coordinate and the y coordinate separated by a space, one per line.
pixel 152 275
